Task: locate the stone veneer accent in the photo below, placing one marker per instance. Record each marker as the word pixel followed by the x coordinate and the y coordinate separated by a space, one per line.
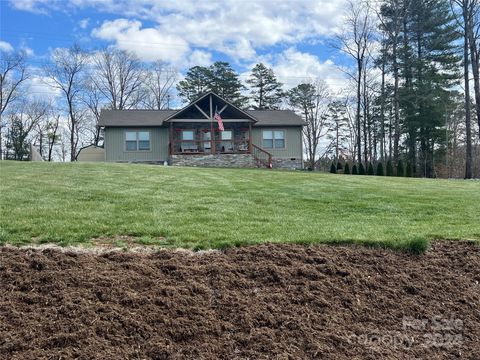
pixel 287 163
pixel 214 160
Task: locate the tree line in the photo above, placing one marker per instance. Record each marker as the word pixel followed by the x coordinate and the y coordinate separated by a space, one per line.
pixel 411 66
pixel 84 84
pixel 412 98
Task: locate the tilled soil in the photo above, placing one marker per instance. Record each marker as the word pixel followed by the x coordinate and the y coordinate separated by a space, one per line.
pixel 268 301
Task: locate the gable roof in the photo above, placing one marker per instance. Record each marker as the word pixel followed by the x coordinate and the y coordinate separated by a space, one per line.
pixel 124 118
pixel 209 97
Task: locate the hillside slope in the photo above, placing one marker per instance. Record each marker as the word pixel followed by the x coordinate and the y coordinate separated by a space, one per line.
pixel 216 208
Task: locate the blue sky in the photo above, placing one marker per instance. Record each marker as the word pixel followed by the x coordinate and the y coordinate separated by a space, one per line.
pixel 292 37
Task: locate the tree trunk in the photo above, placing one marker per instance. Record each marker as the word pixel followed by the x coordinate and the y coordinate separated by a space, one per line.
pixel 1 139
pixel 365 119
pixel 382 111
pixel 474 56
pixel 73 125
pixel 468 121
pixel 359 94
pixel 396 104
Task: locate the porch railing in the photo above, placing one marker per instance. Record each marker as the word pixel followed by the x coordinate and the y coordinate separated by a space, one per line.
pixel 178 147
pixel 262 156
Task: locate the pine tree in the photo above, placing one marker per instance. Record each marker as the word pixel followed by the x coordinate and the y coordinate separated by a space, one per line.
pixel 354 169
pixel 196 82
pixel 266 91
pixel 16 142
pixel 389 168
pixel 370 169
pixel 339 166
pixel 400 170
pixel 430 71
pixel 347 169
pixel 379 169
pixel 333 168
pixel 219 78
pixel 361 169
pixel 225 83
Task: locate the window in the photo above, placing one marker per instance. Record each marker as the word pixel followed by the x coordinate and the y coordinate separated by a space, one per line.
pixel 279 138
pixel 137 140
pixel 226 135
pixel 273 139
pixel 187 134
pixel 143 140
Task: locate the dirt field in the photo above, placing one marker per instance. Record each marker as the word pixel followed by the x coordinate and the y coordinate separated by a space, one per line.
pixel 269 301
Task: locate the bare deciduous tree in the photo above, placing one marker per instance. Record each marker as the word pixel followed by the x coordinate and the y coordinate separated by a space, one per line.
pixel 22 121
pixel 311 101
pixel 159 85
pixel 67 73
pixel 119 76
pixel 53 126
pixel 93 100
pixel 13 73
pixel 354 40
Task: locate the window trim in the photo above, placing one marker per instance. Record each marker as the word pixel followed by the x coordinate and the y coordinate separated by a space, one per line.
pixel 273 139
pixel 137 131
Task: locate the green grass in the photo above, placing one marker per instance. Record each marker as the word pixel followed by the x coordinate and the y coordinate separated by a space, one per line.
pixel 215 208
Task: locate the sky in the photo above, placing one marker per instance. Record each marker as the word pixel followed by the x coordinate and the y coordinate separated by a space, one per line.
pixel 292 37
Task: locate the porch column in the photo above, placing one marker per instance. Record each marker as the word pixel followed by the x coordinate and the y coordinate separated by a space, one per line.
pixel 212 134
pixel 250 138
pixel 212 137
pixel 170 136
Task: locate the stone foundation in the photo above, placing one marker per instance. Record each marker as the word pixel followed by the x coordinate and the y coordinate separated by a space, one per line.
pixel 287 163
pixel 217 160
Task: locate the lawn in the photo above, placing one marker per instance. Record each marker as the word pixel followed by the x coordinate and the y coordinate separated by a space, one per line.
pixel 214 208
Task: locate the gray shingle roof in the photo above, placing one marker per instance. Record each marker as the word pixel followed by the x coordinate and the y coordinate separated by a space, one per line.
pixel 120 118
pixel 134 117
pixel 276 117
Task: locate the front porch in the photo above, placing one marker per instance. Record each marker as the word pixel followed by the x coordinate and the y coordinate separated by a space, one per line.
pixel 195 138
pixel 201 138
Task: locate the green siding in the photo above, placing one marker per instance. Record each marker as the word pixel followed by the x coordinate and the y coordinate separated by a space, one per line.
pixel 115 145
pixel 293 141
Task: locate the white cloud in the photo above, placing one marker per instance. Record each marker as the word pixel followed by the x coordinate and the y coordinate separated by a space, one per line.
pixel 84 23
pixel 35 6
pixel 236 28
pixel 149 44
pixel 41 87
pixel 293 67
pixel 28 51
pixel 5 46
pixel 200 58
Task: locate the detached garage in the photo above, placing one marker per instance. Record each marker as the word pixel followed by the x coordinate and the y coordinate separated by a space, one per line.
pixel 91 153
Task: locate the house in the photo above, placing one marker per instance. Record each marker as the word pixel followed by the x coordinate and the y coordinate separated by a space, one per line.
pixel 191 136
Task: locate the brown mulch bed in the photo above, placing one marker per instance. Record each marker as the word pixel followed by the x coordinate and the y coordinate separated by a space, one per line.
pixel 267 301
